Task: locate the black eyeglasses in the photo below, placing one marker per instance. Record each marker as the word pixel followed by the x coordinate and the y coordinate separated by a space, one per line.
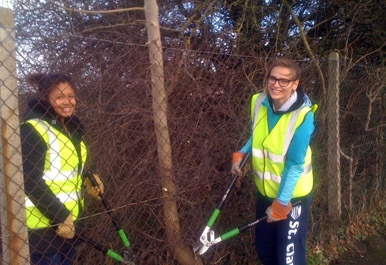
pixel 282 82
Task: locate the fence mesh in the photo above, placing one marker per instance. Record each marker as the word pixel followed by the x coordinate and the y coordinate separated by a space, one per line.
pixel 208 96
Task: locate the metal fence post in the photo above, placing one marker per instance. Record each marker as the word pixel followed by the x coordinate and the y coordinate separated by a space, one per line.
pixel 13 229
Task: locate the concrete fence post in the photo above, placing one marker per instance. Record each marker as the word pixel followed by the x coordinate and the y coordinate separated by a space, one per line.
pixel 13 216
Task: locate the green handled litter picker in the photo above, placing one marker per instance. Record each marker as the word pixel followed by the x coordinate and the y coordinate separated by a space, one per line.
pixel 128 257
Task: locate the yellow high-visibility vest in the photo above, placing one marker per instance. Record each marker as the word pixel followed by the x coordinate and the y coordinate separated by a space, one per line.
pixel 269 149
pixel 61 173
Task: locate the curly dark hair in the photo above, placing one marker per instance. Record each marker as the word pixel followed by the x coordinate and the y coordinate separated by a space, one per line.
pixel 46 82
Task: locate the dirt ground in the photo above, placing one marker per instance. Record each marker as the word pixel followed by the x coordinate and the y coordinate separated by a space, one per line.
pixel 371 251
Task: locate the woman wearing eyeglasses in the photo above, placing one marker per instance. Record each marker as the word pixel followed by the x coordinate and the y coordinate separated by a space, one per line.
pixel 282 122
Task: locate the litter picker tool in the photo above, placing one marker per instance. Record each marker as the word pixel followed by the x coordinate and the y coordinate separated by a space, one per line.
pixel 129 257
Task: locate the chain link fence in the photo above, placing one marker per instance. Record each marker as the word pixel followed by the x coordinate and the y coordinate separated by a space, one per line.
pixel 208 95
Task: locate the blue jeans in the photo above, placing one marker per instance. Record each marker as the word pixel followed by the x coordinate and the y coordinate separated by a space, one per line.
pixel 58 258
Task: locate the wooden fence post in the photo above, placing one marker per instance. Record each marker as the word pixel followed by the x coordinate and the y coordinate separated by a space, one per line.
pixel 333 144
pixel 13 215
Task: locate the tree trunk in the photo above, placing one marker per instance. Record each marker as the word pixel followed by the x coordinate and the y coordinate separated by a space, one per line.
pixel 172 225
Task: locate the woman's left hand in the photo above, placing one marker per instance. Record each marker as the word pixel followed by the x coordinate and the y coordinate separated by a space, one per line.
pixel 94 191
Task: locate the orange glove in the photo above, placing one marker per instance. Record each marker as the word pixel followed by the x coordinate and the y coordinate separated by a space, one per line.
pixel 67 228
pixel 237 157
pixel 236 160
pixel 277 211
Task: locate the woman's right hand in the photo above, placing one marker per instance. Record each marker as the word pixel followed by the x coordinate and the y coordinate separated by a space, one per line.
pixel 236 160
pixel 237 157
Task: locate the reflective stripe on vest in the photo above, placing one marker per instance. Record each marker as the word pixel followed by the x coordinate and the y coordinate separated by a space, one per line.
pixel 269 149
pixel 60 173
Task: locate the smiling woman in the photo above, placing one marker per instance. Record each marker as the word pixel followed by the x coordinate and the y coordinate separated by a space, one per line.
pixel 282 124
pixel 54 158
pixel 283 82
pixel 57 91
pixel 62 99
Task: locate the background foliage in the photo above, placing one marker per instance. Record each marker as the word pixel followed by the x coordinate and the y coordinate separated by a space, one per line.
pixel 215 54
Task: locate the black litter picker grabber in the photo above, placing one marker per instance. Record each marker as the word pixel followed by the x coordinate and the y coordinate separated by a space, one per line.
pixel 208 237
pixel 128 256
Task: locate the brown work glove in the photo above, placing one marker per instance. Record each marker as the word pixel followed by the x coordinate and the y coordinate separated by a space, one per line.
pixel 67 228
pixel 237 157
pixel 94 191
pixel 277 211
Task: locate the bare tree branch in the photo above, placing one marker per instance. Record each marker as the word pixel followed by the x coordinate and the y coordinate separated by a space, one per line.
pixel 308 48
pixel 99 11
